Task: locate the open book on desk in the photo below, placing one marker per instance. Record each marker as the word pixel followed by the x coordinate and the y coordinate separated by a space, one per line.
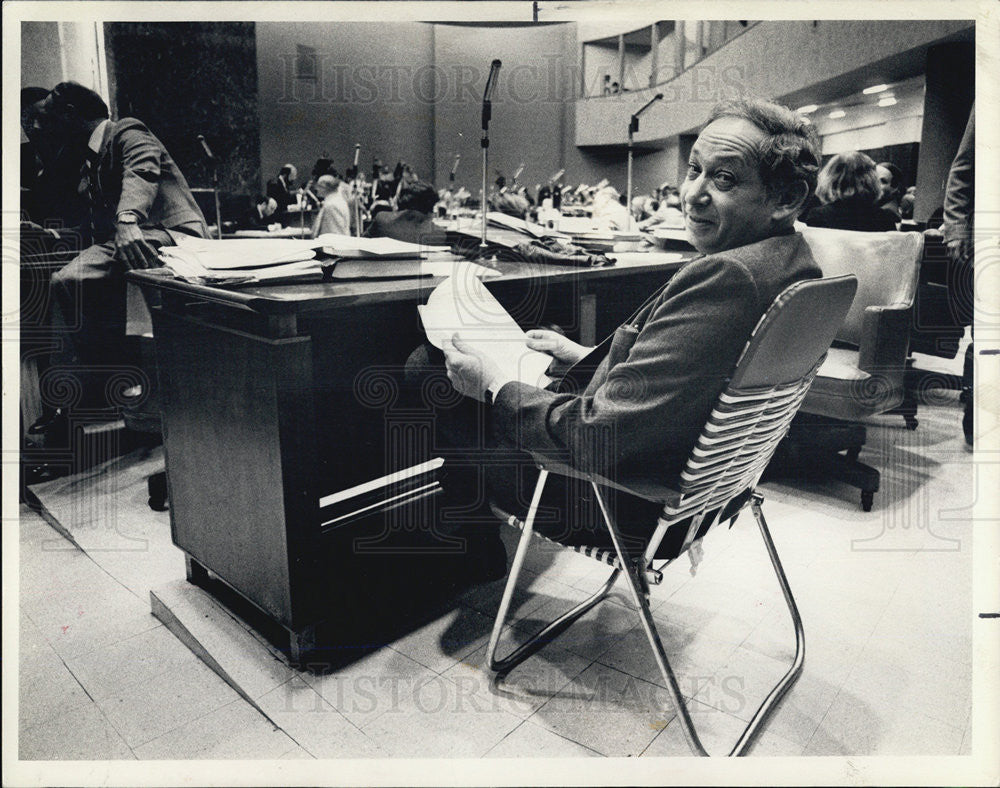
pixel 461 304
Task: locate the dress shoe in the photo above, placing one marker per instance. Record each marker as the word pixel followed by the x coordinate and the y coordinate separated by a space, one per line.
pixel 53 422
pixel 43 472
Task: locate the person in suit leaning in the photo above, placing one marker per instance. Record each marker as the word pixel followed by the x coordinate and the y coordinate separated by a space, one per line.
pixel 138 201
pixel 631 408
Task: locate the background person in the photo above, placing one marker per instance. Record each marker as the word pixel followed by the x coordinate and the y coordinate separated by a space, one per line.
pixel 138 201
pixel 848 191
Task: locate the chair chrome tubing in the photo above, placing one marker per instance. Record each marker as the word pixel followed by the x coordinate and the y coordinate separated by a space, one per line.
pixel 542 637
pixel 771 702
pixel 642 605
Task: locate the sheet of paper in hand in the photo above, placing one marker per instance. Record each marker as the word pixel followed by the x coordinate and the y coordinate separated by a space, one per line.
pixel 461 304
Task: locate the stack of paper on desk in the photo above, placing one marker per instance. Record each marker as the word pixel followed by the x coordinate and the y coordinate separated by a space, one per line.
pixel 237 261
pixel 374 248
pixel 461 304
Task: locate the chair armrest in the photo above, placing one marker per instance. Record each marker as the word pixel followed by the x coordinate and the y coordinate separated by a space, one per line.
pixel 885 338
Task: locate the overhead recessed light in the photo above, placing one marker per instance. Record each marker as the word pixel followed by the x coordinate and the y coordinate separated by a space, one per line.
pixel 837 113
pixel 807 109
pixel 888 101
pixel 875 89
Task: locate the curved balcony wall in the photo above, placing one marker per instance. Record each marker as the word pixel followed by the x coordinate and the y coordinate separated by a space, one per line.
pixel 770 58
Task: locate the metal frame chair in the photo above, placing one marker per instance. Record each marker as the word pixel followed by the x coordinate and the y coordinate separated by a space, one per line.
pixel 750 418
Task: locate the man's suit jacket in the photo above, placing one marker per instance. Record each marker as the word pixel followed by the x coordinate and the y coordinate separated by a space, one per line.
pixel 409 225
pixel 278 190
pixel 134 172
pixel 633 408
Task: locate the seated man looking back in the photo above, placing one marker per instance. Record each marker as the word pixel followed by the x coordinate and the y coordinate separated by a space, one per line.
pixel 631 409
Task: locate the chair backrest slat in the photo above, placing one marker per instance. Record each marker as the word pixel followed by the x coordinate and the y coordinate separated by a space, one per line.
pixel 755 410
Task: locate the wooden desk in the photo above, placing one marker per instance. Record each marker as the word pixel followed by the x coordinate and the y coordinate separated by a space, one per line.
pixel 277 397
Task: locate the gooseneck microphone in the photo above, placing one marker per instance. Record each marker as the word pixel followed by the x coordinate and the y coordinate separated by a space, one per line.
pixel 204 147
pixel 633 126
pixel 454 167
pixel 215 183
pixel 491 86
pixel 634 122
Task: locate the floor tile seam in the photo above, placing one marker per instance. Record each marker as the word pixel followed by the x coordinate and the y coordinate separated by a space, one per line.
pixel 341 714
pixel 522 723
pixel 819 725
pixel 299 744
pixel 287 681
pixel 66 534
pixel 930 714
pixel 663 730
pixel 130 684
pixel 192 720
pixel 379 715
pixel 98 707
pixel 561 736
pixel 102 644
pixel 569 680
pixel 64 707
pixel 293 749
pixel 659 681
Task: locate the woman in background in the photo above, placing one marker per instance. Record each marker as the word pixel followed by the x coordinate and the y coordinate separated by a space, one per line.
pixel 848 189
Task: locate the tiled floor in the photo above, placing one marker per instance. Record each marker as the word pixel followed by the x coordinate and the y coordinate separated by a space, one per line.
pixel 885 596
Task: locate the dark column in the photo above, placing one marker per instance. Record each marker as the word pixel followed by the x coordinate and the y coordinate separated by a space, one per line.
pixel 947 101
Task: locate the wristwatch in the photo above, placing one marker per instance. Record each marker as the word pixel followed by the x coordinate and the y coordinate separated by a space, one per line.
pixel 128 217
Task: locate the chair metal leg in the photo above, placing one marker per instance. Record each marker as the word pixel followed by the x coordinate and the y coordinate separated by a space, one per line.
pixel 505 664
pixel 646 618
pixel 766 708
pixel 771 701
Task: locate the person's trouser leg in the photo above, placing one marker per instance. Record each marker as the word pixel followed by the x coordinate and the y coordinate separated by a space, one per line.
pixel 462 438
pixel 88 321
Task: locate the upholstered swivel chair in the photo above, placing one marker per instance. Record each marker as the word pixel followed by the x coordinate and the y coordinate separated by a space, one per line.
pixel 863 374
pixel 750 417
pixel 941 313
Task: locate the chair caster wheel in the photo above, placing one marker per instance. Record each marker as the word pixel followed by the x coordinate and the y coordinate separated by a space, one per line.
pixel 158 505
pixel 156 486
pixel 867 500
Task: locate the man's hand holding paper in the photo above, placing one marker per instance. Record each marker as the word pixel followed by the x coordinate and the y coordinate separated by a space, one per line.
pixel 490 348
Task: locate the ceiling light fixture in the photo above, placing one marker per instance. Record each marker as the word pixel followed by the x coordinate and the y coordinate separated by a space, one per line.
pixel 837 113
pixel 888 101
pixel 807 109
pixel 875 89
